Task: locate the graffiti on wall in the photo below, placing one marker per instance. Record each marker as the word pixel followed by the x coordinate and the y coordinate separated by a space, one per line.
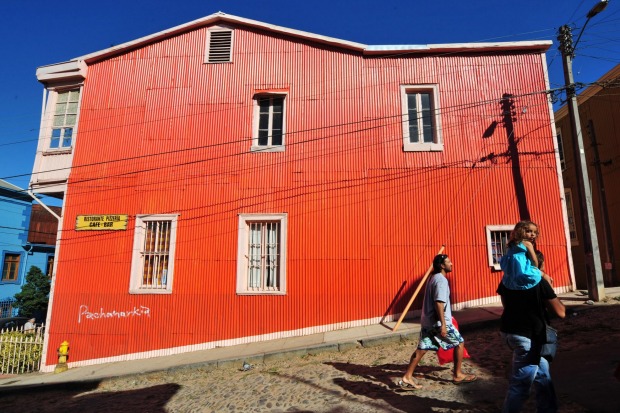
pixel 85 314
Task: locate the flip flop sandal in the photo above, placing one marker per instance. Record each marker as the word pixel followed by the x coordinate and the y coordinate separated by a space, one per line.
pixel 470 378
pixel 407 386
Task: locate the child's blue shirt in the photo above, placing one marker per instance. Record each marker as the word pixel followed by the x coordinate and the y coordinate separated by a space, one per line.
pixel 519 271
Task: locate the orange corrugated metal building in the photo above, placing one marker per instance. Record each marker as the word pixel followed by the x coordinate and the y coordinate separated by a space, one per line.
pixel 253 182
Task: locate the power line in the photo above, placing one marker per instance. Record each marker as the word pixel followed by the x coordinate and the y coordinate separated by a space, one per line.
pixel 177 165
pixel 399 54
pixel 444 110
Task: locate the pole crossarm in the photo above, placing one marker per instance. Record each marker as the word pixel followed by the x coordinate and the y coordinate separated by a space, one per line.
pixel 565 37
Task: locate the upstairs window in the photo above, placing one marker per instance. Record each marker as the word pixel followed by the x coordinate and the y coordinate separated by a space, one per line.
pixel 269 123
pixel 153 254
pixel 261 261
pixel 10 267
pixel 64 119
pixel 219 45
pixel 497 241
pixel 421 120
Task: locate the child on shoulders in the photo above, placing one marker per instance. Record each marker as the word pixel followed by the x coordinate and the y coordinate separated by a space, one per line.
pixel 520 263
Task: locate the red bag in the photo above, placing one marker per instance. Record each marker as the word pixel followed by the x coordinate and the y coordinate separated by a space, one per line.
pixel 447 356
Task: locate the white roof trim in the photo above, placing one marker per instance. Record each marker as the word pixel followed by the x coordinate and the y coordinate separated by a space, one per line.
pixel 589 92
pixel 8 185
pixel 71 70
pixel 541 45
pixel 223 17
pixel 362 48
pixel 218 17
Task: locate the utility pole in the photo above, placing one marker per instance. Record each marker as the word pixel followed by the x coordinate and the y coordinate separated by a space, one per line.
pixel 594 270
pixel 607 235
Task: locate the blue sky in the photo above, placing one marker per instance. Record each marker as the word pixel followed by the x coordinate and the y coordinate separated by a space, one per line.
pixel 39 32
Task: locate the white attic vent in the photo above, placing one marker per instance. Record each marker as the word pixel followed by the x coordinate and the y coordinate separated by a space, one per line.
pixel 219 46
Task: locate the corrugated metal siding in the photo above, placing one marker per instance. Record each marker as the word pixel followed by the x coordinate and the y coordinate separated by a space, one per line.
pixel 365 218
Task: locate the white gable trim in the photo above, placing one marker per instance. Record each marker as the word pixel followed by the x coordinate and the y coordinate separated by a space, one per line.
pixel 362 48
pixel 71 71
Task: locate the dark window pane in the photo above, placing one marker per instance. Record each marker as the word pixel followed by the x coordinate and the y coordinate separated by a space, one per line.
pixel 278 103
pixel 277 121
pixel 263 121
pixel 413 126
pixel 427 126
pixel 276 138
pixel 263 137
pixel 263 103
pixel 411 104
pixel 426 101
pixel 428 134
pixel 413 133
pixel 427 117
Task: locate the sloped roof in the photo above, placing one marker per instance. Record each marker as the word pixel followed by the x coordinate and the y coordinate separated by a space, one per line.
pixel 76 67
pixel 8 190
pixel 590 91
pixel 6 185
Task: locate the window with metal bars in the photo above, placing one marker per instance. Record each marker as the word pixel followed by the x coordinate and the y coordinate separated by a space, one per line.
pixel 64 119
pixel 10 267
pixel 421 120
pixel 497 241
pixel 262 254
pixel 268 134
pixel 153 260
pixel 219 46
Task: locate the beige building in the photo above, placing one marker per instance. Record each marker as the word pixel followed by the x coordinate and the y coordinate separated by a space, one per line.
pixel 599 111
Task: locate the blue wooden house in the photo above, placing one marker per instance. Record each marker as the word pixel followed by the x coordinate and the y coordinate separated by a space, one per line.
pixel 27 238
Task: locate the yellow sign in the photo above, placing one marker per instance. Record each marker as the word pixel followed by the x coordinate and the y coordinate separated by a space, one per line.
pixel 100 222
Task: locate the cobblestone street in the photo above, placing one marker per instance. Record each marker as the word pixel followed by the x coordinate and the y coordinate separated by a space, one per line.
pixel 358 380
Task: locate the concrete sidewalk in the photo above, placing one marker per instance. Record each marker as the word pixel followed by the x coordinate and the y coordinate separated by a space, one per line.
pixel 263 352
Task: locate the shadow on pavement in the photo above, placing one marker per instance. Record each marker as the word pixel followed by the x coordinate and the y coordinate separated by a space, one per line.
pixel 76 397
pixel 405 401
pixel 379 383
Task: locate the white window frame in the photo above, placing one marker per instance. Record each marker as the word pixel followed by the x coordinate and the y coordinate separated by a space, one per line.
pixel 492 254
pixel 560 144
pixel 570 216
pixel 256 123
pixel 219 29
pixel 437 144
pixel 50 111
pixel 243 253
pixel 137 266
